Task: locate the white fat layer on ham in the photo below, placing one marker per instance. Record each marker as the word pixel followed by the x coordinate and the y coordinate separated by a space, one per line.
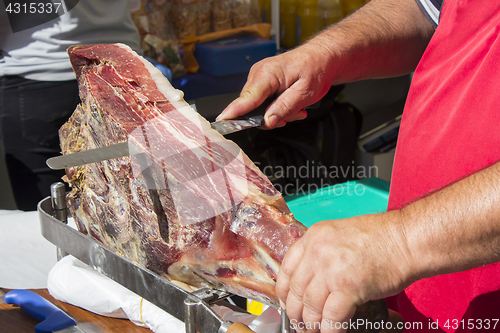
pixel 171 94
pixel 175 97
pixel 266 259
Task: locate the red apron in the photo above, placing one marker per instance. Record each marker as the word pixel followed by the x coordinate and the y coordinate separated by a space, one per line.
pixel 451 128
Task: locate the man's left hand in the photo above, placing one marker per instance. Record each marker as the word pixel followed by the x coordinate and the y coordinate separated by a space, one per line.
pixel 339 264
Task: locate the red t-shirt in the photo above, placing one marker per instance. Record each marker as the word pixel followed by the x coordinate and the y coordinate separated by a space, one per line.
pixel 450 129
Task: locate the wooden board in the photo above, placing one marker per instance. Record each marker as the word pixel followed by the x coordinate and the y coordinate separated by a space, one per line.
pixel 13 319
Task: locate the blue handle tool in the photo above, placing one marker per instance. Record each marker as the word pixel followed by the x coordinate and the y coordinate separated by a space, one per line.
pixel 50 316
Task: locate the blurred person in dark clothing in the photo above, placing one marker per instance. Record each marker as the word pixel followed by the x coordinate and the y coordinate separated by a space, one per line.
pixel 38 89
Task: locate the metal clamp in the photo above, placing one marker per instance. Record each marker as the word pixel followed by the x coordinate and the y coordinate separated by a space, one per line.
pixel 199 316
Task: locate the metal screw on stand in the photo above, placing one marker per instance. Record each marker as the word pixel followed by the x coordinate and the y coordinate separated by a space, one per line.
pixel 58 196
pixel 58 200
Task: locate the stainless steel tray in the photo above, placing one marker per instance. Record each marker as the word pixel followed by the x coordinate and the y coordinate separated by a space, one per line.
pixel 193 308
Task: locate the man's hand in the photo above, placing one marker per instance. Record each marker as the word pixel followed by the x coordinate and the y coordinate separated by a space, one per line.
pixel 295 86
pixel 385 38
pixel 339 264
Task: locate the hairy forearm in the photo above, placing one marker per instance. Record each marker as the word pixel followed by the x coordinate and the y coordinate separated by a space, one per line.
pixel 384 38
pixel 456 228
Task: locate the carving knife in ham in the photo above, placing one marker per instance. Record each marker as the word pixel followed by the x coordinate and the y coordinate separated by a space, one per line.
pixel 126 148
pixel 253 119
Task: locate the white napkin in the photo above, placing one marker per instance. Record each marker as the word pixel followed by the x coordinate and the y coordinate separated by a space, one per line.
pixel 73 282
pixel 26 258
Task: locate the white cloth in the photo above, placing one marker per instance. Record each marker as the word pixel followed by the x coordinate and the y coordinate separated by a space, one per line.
pixel 39 53
pixel 26 258
pixel 74 282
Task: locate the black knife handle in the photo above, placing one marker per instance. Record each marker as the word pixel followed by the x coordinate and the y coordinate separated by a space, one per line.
pixel 257 114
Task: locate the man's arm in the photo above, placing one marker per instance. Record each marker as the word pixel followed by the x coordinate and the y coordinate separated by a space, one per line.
pixel 339 264
pixel 457 228
pixel 384 38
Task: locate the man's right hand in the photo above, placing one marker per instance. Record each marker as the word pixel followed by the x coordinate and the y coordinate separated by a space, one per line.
pixel 385 38
pixel 298 78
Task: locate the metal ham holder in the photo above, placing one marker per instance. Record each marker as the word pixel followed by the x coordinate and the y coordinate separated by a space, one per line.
pixel 193 308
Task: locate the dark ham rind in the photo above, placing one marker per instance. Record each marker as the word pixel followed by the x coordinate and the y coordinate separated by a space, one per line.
pixel 190 206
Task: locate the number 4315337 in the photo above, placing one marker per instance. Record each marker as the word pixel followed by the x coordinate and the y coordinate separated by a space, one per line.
pixel 33 8
pixel 471 324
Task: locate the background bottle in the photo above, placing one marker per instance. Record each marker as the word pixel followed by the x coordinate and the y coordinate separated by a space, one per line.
pixel 306 19
pixel 349 6
pixel 265 9
pixel 288 13
pixel 328 13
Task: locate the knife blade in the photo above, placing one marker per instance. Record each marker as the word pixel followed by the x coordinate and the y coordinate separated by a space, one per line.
pixel 52 319
pixel 254 118
pixel 127 148
pixel 235 125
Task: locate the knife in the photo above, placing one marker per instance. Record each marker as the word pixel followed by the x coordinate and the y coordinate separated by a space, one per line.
pixel 254 118
pixel 52 319
pixel 126 148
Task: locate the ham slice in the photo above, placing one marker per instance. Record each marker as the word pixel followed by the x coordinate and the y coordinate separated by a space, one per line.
pixel 191 206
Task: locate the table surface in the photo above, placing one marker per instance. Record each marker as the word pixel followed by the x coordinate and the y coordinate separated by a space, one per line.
pixel 13 319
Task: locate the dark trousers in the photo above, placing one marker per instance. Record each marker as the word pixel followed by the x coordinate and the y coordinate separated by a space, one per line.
pixel 31 113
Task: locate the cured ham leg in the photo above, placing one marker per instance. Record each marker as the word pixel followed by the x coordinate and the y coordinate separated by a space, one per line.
pixel 190 206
